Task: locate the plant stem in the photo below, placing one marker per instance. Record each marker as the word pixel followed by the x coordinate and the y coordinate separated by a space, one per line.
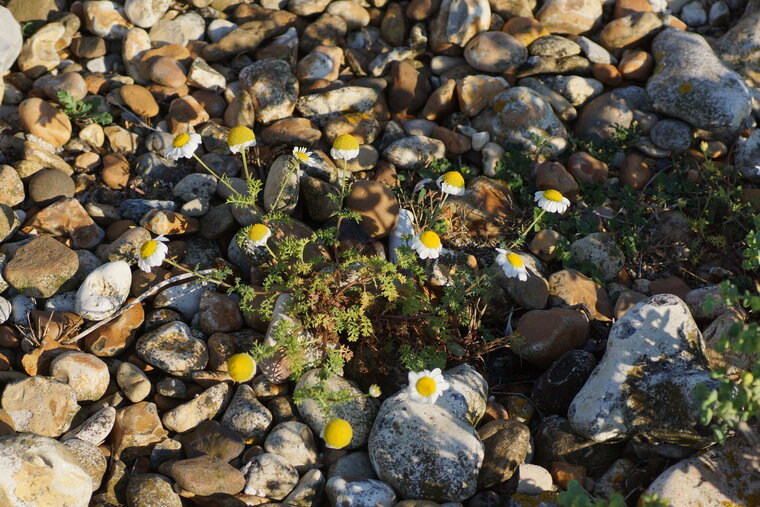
pixel 271 252
pixel 521 238
pixel 244 154
pixel 214 174
pixel 294 164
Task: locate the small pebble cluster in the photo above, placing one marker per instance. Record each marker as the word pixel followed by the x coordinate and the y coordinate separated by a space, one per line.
pixel 125 126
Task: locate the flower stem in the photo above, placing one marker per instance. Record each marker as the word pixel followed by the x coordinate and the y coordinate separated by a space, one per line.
pixel 521 238
pixel 244 154
pixel 294 164
pixel 172 262
pixel 274 257
pixel 201 162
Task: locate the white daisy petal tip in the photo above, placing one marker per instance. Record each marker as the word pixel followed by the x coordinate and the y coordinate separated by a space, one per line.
pixel 551 201
pixel 183 146
pixel 427 244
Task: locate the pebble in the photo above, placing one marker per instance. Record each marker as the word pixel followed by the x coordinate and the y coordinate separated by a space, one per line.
pixel 173 349
pixel 547 334
pixel 136 428
pixel 103 291
pixel 204 406
pixel 293 441
pixel 205 476
pixel 68 483
pixel 133 382
pixel 86 374
pixel 414 151
pixel 96 428
pixel 40 405
pixel 90 458
pixel 600 250
pixel 42 120
pixel 269 475
pixel 357 493
pixel 433 434
pixel 27 272
pixel 676 340
pixel 156 487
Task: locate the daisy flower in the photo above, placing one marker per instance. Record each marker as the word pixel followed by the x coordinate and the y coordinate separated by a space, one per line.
pixel 241 367
pixel 426 386
pixel 239 138
pixel 552 201
pixel 302 155
pixel 451 183
pixel 337 434
pixel 345 147
pixel 374 391
pixel 258 234
pixel 152 253
pixel 512 264
pixel 183 146
pixel 427 245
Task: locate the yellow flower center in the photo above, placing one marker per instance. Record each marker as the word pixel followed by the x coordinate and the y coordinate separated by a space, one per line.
pixel 148 248
pixel 338 433
pixel 303 157
pixel 553 195
pixel 241 367
pixel 257 232
pixel 454 179
pixel 425 386
pixel 180 140
pixel 240 135
pixel 515 260
pixel 346 142
pixel 430 239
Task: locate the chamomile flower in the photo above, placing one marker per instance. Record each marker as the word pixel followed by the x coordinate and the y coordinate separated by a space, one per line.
pixel 427 245
pixel 241 367
pixel 258 234
pixel 374 391
pixel 152 253
pixel 337 434
pixel 426 386
pixel 345 147
pixel 239 138
pixel 552 201
pixel 302 155
pixel 512 264
pixel 183 146
pixel 451 183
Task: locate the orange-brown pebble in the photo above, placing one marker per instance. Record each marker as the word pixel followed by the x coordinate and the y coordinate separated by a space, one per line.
pixel 563 472
pixel 115 172
pixel 636 65
pixel 526 30
pixel 607 74
pixel 625 7
pixel 635 171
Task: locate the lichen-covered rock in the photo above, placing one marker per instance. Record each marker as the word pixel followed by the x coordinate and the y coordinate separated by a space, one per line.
pixel 721 476
pixel 692 84
pixel 747 156
pixel 432 451
pixel 272 86
pixel 601 251
pixel 414 152
pixel 741 43
pixel 360 493
pixel 40 471
pixel 645 383
pixel 520 115
pixel 204 406
pixel 40 405
pixel 359 412
pixel 173 349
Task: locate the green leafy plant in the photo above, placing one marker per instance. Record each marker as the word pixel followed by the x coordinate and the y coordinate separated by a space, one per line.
pixel 736 400
pixel 85 111
pixel 577 496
